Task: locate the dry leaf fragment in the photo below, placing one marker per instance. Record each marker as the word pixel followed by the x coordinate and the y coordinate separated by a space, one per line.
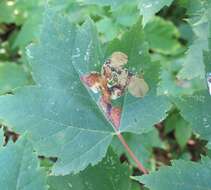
pixel 117 79
pixel 97 84
pixel 92 81
pixel 138 87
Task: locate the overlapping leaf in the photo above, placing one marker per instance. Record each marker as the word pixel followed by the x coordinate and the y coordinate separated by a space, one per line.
pixel 19 167
pixel 108 174
pixel 183 175
pixel 12 76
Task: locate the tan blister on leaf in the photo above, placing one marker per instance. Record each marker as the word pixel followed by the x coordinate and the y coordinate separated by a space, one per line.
pixel 118 59
pixel 138 87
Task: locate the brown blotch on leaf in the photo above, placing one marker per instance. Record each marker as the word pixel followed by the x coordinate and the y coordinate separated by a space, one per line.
pixel 138 87
pixel 118 59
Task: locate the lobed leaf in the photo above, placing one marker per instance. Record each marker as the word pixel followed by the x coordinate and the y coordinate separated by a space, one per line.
pixel 182 174
pixel 62 115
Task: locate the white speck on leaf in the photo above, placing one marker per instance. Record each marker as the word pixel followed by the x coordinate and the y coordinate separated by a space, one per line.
pixel 70 185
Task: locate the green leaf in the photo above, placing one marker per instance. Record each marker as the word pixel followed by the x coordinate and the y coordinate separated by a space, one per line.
pixel 162 36
pixel 19 167
pixel 182 132
pixel 7 12
pixel 29 30
pixel 17 11
pixel 127 14
pixel 148 8
pixel 182 174
pixel 105 25
pixel 142 145
pixel 108 174
pixel 11 77
pixel 182 128
pixel 59 112
pixel 171 85
pixel 193 65
pixel 196 110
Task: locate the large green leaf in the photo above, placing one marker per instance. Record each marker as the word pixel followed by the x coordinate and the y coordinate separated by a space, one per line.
pixel 108 174
pixel 60 112
pixel 148 8
pixel 184 175
pixel 19 167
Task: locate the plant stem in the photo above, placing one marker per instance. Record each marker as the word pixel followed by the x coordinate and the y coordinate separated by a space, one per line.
pixel 130 152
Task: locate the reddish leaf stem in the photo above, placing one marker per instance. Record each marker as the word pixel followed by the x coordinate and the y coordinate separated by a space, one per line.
pixel 130 152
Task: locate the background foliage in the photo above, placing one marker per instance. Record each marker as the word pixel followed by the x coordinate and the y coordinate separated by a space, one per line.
pixel 63 141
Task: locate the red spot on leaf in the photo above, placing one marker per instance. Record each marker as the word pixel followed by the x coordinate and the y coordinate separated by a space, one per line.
pixel 115 116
